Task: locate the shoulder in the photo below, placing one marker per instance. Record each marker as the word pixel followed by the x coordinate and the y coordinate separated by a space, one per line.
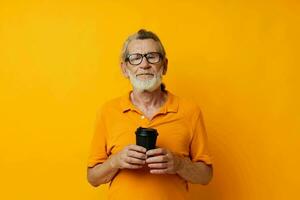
pixel 111 105
pixel 191 111
pixel 188 105
pixel 188 109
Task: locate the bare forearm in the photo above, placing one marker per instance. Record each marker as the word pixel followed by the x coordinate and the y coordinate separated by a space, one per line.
pixel 195 172
pixel 130 157
pixel 102 173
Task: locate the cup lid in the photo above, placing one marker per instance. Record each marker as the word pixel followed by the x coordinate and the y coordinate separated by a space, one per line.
pixel 146 131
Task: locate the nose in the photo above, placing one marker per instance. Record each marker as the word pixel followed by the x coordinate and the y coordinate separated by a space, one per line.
pixel 144 63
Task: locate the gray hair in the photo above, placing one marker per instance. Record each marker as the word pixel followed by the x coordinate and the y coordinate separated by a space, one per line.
pixel 142 34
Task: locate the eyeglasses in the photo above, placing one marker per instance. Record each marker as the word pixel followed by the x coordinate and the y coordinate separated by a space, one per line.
pixel 137 58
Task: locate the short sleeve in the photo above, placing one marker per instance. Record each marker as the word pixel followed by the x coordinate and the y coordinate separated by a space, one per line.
pixel 98 144
pixel 199 145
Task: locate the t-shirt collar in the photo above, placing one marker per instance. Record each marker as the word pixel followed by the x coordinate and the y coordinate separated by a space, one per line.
pixel 170 106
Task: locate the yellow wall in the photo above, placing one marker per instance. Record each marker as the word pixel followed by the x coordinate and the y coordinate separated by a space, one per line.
pixel 238 59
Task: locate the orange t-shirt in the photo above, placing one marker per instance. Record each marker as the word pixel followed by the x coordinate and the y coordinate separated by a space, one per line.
pixel 181 130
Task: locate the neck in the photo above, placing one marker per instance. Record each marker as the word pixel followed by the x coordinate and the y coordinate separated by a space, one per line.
pixel 148 99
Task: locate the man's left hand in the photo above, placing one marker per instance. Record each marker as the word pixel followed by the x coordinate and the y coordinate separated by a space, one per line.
pixel 163 161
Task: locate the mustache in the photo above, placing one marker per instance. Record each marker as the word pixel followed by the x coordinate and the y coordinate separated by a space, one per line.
pixel 145 74
pixel 157 74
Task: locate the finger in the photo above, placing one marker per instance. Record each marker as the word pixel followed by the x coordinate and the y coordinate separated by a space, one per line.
pixel 132 166
pixel 158 151
pixel 158 171
pixel 157 159
pixel 131 160
pixel 158 165
pixel 136 154
pixel 137 148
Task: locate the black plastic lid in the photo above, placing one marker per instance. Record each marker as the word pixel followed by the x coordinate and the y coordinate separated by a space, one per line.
pixel 146 131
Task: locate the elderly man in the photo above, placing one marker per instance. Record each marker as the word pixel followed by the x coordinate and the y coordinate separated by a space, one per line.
pixel 181 156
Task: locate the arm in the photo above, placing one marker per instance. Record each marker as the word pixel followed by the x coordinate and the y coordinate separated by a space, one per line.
pixel 131 157
pixel 163 161
pixel 101 173
pixel 195 172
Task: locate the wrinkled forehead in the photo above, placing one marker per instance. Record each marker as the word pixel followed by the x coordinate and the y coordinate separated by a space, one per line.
pixel 143 46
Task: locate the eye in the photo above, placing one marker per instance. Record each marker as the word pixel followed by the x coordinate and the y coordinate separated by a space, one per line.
pixel 151 55
pixel 135 57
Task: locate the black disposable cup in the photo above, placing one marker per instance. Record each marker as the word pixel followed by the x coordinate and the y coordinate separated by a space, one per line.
pixel 146 137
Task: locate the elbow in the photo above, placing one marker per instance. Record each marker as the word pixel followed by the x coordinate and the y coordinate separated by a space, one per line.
pixel 202 181
pixel 96 183
pixel 209 175
pixel 93 180
pixel 205 177
pixel 205 182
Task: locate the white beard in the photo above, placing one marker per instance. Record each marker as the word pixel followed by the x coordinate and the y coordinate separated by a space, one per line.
pixel 146 85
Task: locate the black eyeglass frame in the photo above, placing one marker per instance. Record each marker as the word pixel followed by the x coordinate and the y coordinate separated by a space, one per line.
pixel 144 55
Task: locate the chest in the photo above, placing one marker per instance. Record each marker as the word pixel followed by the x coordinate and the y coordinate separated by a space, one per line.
pixel 174 132
pixel 149 113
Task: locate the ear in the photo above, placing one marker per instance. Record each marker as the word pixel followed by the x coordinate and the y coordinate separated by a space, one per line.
pixel 124 70
pixel 165 66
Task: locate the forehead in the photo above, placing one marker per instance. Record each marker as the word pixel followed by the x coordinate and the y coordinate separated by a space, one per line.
pixel 143 46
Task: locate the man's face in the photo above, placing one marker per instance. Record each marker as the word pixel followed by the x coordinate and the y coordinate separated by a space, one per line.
pixel 144 76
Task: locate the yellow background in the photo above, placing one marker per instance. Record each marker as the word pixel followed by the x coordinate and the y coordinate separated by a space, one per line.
pixel 59 61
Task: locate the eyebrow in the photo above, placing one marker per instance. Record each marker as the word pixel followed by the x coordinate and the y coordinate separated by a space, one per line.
pixel 145 53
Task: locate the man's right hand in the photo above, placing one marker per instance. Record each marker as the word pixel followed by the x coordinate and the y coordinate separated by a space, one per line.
pixel 131 157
